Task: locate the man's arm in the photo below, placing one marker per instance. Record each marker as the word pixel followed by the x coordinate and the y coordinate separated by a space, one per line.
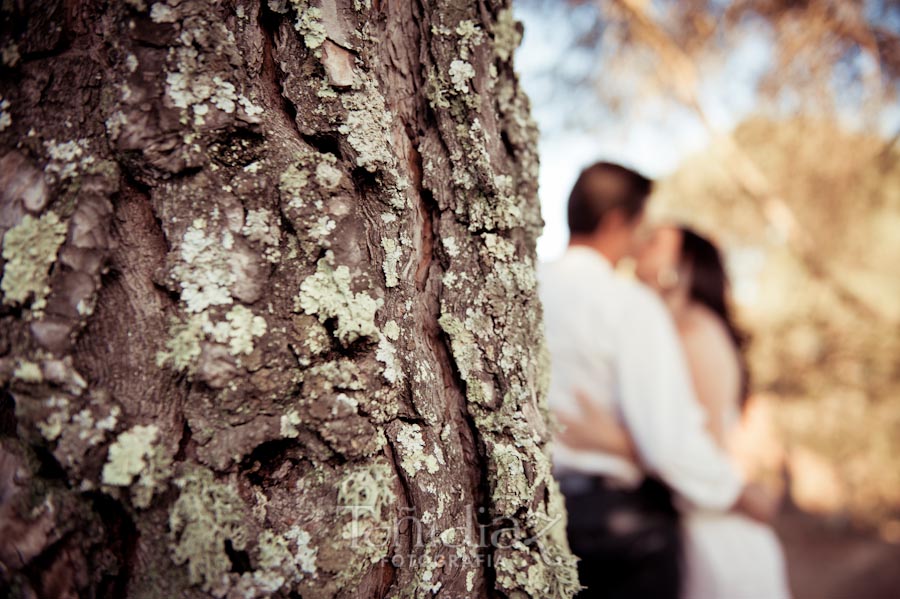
pixel 595 427
pixel 661 411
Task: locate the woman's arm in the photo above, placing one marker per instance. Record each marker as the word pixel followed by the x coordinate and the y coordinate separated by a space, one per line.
pixel 715 370
pixel 595 428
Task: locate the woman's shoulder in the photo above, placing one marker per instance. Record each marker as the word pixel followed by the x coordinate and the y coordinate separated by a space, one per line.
pixel 706 339
pixel 713 356
pixel 702 324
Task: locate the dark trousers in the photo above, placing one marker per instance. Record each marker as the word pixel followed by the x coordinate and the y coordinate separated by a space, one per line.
pixel 628 541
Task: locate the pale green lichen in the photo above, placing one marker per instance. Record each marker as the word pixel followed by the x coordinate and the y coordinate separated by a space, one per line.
pixel 470 36
pixel 162 13
pixel 135 453
pixel 131 62
pixel 289 422
pixel 274 568
pixel 204 273
pixel 316 339
pixel 51 427
pixel 441 29
pixel 192 85
pixel 387 354
pixel 325 92
pixel 309 24
pixel 511 481
pixel 411 446
pixel 342 373
pixel 184 343
pixel 369 130
pixel 68 158
pixel 522 129
pixel 450 245
pixel 327 175
pixel 5 117
pixel 503 209
pixel 460 175
pixel 261 226
pixel 292 182
pixel 435 90
pixel 468 356
pixel 363 493
pixel 277 565
pixel 29 250
pixel 461 72
pixel 305 558
pixel 322 226
pixel 507 34
pixel 392 330
pixel 391 259
pixel 367 487
pixel 127 456
pixel 516 571
pixel 28 372
pixel 499 247
pixel 466 352
pixel 238 330
pixel 327 295
pixel 206 514
pixel 114 124
pixel 91 431
pixel 368 127
pixel 250 109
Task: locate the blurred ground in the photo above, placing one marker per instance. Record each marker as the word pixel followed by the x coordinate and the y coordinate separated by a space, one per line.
pixel 832 551
pixel 833 561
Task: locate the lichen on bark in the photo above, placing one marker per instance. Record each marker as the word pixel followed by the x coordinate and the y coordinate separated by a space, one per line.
pixel 30 249
pixel 269 295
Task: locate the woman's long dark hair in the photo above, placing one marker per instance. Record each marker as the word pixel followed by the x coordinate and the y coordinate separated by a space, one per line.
pixel 709 287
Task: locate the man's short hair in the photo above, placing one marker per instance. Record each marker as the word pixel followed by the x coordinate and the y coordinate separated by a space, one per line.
pixel 602 188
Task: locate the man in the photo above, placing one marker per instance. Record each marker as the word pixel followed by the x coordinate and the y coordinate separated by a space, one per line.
pixel 613 339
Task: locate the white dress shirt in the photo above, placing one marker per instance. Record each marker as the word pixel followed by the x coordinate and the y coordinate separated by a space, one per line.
pixel 614 339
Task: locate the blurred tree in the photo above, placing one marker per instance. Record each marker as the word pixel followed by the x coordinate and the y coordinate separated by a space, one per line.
pixel 809 344
pixel 826 56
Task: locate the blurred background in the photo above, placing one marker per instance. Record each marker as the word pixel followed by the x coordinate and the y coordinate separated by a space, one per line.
pixel 772 126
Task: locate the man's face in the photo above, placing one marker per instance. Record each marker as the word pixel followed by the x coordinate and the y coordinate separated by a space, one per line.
pixel 635 232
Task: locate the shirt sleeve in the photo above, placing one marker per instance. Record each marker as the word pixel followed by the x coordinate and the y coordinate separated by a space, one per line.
pixel 661 411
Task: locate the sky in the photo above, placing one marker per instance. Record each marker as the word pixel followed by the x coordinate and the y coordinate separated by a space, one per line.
pixel 654 144
pixel 654 140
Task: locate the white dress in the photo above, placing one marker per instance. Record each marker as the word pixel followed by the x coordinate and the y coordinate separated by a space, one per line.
pixel 731 556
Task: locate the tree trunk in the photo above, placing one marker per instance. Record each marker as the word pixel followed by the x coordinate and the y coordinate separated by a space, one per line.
pixel 269 318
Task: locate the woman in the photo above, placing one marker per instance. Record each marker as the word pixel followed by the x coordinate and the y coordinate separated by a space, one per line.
pixel 727 555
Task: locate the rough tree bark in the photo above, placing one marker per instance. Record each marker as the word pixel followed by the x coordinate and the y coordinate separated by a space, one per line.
pixel 269 322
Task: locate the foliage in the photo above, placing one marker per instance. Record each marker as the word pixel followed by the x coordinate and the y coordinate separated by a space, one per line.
pixel 826 341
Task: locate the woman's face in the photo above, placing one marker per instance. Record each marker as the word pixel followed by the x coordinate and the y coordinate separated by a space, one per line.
pixel 657 258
